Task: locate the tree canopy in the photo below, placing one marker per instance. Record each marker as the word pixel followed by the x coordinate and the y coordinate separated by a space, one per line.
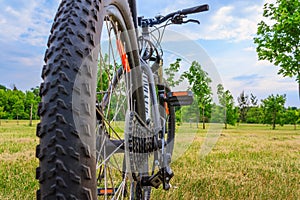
pixel 171 72
pixel 200 85
pixel 227 102
pixel 243 102
pixel 16 104
pixel 273 108
pixel 278 37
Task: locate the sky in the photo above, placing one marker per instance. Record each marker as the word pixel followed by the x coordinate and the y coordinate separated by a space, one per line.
pixel 224 38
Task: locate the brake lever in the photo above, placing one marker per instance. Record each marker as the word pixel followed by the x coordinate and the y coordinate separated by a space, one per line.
pixel 178 19
pixel 191 20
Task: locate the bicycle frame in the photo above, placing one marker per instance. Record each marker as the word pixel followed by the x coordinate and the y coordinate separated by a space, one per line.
pixel 133 8
pixel 97 74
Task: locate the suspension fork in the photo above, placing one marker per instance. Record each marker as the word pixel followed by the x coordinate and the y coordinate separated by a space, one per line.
pixel 152 91
pixel 150 73
pixel 133 9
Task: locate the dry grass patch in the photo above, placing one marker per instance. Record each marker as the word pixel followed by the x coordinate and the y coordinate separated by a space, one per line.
pixel 247 162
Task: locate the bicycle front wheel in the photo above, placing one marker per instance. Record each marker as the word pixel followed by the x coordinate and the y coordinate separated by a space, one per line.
pixel 88 87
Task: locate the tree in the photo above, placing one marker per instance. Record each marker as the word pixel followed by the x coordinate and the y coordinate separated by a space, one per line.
pixel 292 116
pixel 29 102
pixel 17 104
pixel 2 87
pixel 254 115
pixel 253 100
pixel 171 72
pixel 3 102
pixel 273 108
pixel 217 113
pixel 279 40
pixel 2 113
pixel 243 101
pixel 200 84
pixel 190 113
pixel 18 110
pixel 36 101
pixel 227 103
pixel 178 115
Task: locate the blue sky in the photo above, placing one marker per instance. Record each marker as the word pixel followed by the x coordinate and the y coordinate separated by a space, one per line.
pixel 225 34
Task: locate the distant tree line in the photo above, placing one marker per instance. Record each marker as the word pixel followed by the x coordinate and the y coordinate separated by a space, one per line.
pixel 248 110
pixel 16 104
pixel 270 111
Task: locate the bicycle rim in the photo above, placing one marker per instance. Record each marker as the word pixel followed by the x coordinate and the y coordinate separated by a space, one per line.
pixel 116 98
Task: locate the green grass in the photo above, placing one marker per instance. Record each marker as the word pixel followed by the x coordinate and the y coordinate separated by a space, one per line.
pixel 17 160
pixel 247 162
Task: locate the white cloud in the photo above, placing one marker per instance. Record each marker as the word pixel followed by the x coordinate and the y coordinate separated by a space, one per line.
pixel 230 24
pixel 263 63
pixel 28 23
pixel 11 11
pixel 31 61
pixel 235 22
pixel 250 49
pixel 2 21
pixel 178 5
pixel 262 86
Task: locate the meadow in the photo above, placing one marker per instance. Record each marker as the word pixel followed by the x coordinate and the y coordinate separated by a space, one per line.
pixel 247 162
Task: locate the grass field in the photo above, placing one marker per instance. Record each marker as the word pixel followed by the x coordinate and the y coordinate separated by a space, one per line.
pixel 247 162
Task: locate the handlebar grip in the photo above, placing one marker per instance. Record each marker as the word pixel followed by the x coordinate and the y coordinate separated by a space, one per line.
pixel 195 9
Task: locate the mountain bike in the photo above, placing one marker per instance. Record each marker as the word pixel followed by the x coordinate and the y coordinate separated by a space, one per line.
pixel 107 115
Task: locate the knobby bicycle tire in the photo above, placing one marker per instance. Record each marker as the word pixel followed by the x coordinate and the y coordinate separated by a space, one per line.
pixel 70 125
pixel 67 149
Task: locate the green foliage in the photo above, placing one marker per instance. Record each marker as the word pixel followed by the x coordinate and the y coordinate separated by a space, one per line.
pixel 254 115
pixel 217 114
pixel 273 108
pixel 171 72
pixel 16 104
pixel 227 103
pixel 279 40
pixel 253 100
pixel 2 113
pixel 104 74
pixel 200 85
pixel 178 115
pixel 292 116
pixel 18 109
pixel 243 101
pixel 190 113
pixel 2 87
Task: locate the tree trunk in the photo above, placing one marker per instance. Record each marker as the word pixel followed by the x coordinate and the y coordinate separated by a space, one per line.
pixel 30 122
pixel 225 117
pixel 274 120
pixel 198 120
pixel 203 119
pixel 299 86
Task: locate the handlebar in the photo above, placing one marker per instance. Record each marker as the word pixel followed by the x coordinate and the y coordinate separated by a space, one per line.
pixel 160 19
pixel 195 9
